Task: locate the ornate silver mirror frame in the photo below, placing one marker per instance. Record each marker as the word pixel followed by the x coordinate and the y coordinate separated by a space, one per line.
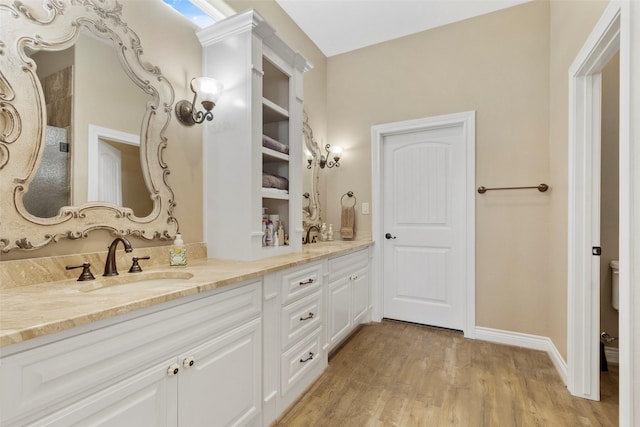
pixel 311 199
pixel 28 26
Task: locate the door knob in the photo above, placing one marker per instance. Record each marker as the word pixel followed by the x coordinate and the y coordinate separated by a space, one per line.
pixel 389 236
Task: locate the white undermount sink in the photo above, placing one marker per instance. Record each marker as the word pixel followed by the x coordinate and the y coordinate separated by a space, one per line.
pixel 136 281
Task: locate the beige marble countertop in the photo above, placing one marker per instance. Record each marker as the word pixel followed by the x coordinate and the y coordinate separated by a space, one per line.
pixel 36 310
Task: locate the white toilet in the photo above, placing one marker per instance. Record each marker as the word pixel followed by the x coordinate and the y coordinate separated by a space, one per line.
pixel 615 283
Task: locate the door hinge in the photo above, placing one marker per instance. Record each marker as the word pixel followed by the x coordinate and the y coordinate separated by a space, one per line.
pixel 596 250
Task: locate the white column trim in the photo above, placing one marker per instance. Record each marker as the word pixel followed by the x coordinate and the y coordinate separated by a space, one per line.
pixel 629 252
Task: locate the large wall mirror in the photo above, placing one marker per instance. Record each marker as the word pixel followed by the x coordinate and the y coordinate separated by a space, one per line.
pixel 310 175
pixel 82 119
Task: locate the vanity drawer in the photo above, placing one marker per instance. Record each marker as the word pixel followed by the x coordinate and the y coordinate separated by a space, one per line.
pixel 348 264
pixel 299 360
pixel 301 281
pixel 300 318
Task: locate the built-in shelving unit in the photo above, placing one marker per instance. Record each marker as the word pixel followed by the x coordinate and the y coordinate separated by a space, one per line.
pixel 262 98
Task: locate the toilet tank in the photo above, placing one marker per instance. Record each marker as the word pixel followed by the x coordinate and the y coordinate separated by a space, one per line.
pixel 615 284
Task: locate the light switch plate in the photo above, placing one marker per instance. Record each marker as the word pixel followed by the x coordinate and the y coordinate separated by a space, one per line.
pixel 365 208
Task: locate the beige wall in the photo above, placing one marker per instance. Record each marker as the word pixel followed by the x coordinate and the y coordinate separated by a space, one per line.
pixel 609 212
pixel 497 65
pixel 570 24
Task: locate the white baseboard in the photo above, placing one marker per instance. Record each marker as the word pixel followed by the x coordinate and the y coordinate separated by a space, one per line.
pixel 611 353
pixel 534 342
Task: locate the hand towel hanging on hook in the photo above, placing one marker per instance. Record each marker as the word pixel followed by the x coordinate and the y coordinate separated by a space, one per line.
pixel 348 216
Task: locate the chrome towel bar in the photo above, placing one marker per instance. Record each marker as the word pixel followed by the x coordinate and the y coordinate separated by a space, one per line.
pixel 541 188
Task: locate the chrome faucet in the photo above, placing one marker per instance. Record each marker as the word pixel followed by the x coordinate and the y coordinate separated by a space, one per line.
pixel 110 265
pixel 311 227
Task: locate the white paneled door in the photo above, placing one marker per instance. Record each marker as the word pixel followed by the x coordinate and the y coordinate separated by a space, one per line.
pixel 109 174
pixel 424 224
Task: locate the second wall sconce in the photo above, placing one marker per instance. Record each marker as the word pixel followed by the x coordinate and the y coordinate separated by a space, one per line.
pixel 336 152
pixel 208 90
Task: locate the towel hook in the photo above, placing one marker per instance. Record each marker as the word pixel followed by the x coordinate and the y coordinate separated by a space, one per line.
pixel 348 194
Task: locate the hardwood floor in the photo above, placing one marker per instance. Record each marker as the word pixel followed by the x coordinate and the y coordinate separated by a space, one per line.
pixel 399 374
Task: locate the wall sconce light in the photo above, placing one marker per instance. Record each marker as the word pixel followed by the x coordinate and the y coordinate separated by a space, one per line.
pixel 208 90
pixel 336 152
pixel 309 157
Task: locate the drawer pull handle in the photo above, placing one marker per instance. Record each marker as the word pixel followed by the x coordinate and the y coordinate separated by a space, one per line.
pixel 188 362
pixel 307 359
pixel 306 282
pixel 310 316
pixel 173 370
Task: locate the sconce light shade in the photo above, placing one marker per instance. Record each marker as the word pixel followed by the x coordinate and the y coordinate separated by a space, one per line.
pixel 208 90
pixel 336 153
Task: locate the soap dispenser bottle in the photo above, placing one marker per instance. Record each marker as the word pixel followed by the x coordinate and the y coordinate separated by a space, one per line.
pixel 323 232
pixel 178 253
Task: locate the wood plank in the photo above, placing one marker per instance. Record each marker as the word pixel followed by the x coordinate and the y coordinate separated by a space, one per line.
pixel 401 374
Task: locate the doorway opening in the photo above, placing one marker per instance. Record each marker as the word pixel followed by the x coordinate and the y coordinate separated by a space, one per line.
pixel 585 152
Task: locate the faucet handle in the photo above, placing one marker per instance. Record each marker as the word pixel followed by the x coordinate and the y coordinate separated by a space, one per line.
pixel 135 267
pixel 86 271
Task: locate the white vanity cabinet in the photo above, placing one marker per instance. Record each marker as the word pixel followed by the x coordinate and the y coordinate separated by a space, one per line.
pixel 257 130
pixel 294 356
pixel 193 363
pixel 348 295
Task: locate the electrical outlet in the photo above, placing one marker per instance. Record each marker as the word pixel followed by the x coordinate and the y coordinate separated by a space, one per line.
pixel 365 208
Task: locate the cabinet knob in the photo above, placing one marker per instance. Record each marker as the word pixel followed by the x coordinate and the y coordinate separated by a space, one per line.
pixel 173 370
pixel 310 357
pixel 310 316
pixel 306 282
pixel 188 362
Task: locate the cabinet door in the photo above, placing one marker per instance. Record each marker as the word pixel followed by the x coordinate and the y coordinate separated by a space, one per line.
pixel 222 387
pixel 339 310
pixel 360 296
pixel 146 399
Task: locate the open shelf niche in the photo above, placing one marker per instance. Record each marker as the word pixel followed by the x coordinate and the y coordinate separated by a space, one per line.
pixel 257 130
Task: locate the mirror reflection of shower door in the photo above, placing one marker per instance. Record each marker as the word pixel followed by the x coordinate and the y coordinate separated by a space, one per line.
pixel 109 174
pixel 49 188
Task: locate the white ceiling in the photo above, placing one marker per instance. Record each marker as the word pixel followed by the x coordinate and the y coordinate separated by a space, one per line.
pixel 339 26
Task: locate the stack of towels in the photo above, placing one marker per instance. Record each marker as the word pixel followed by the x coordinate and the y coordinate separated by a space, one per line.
pixel 274 145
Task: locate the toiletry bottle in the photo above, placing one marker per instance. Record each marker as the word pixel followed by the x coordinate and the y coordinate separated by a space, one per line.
pixel 330 233
pixel 280 234
pixel 323 232
pixel 269 235
pixel 265 220
pixel 178 253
